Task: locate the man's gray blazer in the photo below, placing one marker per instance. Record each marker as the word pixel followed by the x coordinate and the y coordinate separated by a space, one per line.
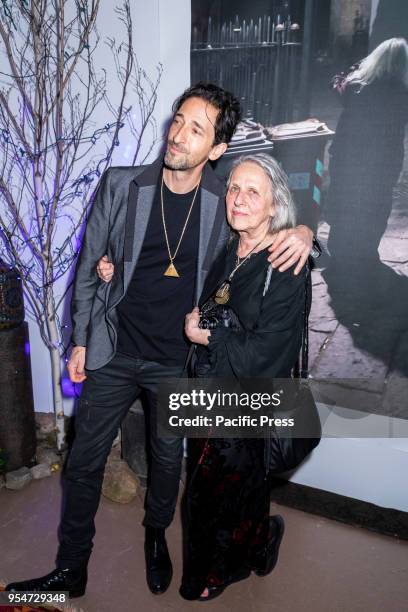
pixel 116 227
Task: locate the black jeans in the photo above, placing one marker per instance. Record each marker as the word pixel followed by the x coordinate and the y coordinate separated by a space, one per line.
pixel 106 397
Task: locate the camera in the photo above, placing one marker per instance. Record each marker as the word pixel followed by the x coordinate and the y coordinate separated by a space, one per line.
pixel 213 315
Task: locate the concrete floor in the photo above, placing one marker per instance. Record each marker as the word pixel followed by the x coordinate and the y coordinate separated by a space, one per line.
pixel 323 565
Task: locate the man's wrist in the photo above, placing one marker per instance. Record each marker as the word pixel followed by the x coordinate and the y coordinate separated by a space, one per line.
pixel 77 340
pixel 76 349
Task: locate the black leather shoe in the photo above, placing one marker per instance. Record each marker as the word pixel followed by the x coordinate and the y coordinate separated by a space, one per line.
pixel 267 560
pixel 159 570
pixel 71 580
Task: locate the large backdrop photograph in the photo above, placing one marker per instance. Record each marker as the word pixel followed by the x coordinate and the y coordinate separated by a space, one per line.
pixel 323 89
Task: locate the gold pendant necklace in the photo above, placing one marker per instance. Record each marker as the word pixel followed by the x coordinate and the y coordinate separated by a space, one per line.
pixel 171 269
pixel 222 295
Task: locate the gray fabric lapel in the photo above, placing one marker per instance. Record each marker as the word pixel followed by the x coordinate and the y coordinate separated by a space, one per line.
pixel 208 210
pixel 143 209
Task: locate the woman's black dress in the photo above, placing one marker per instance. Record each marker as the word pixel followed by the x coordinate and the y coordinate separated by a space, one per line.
pixel 228 493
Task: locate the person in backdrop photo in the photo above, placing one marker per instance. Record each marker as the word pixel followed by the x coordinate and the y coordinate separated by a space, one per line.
pixel 367 153
pixel 366 284
pixel 160 226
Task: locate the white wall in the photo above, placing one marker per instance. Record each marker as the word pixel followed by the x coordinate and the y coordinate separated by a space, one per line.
pixel 372 469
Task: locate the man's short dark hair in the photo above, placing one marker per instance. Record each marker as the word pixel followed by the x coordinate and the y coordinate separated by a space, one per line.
pixel 228 106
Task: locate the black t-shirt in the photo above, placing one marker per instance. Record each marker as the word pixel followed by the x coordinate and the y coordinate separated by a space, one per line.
pixel 151 314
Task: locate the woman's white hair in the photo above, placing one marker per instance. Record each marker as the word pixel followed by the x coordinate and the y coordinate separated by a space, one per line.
pixel 285 210
pixel 389 59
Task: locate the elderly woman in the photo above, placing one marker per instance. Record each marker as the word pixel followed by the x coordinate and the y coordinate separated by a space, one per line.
pixel 229 530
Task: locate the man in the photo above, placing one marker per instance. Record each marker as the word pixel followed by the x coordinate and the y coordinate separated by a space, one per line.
pixel 162 225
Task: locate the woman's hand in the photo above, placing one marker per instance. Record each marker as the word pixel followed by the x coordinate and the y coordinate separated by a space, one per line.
pixel 105 269
pixel 192 331
pixel 291 246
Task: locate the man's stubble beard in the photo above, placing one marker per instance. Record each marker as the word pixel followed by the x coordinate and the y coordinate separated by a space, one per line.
pixel 184 163
pixel 175 164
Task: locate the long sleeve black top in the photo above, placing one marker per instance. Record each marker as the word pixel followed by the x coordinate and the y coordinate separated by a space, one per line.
pixel 269 341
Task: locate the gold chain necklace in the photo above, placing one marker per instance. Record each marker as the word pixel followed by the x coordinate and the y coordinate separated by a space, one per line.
pixel 171 269
pixel 222 294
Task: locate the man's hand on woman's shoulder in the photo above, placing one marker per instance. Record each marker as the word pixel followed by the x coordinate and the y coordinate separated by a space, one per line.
pixel 291 246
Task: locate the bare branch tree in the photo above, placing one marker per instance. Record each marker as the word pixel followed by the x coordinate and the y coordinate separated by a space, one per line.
pixel 49 92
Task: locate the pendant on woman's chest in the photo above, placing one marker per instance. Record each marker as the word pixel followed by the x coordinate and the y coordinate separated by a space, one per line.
pixel 222 294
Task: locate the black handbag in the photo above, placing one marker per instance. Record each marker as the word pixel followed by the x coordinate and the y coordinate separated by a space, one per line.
pixel 286 452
